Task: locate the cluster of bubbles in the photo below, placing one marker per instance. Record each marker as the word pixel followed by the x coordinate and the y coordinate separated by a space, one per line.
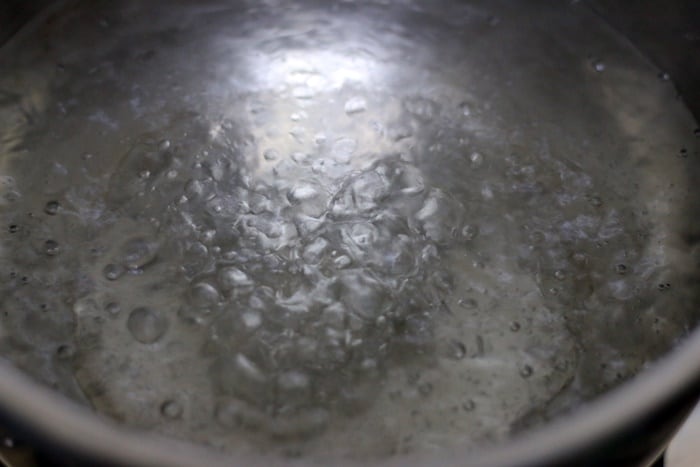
pixel 308 277
pixel 304 287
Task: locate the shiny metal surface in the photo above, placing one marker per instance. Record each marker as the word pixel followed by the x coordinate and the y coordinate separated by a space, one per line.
pixel 587 436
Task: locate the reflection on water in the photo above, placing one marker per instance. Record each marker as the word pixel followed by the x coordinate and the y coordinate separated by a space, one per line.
pixel 352 228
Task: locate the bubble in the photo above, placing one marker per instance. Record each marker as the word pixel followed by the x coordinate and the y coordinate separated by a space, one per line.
pixel 663 286
pixel 293 381
pixel 515 326
pixel 203 190
pixel 138 252
pixel 113 272
pixel 259 204
pixel 113 308
pixel 470 232
pixel 559 275
pixel 355 105
pixel 476 159
pixel 51 248
pixel 526 371
pixel 52 207
pixel 425 389
pixel 537 237
pixel 595 201
pixel 215 207
pixel 146 325
pixel 171 409
pixel 242 377
pixel 469 405
pixel 343 149
pixel 300 193
pixel 440 217
pixel 231 277
pixel 203 294
pixel 368 364
pixel 333 316
pixel 13 228
pixel 363 295
pixel 410 180
pixel 580 259
pixel 164 145
pixel 422 108
pixel 208 236
pixel 598 66
pixel 251 319
pixel 664 76
pixel 298 133
pixel 399 133
pixel 314 251
pixel 364 192
pixel 271 155
pixel 468 303
pixel 456 350
pixel 621 269
pixel 342 261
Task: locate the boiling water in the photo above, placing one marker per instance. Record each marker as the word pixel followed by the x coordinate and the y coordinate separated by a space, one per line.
pixel 339 229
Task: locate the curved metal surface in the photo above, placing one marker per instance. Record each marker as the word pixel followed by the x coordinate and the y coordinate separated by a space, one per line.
pixel 669 35
pixel 627 426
